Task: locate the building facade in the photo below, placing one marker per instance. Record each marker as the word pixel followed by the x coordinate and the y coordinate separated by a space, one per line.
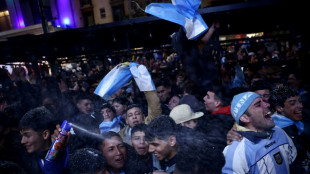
pixel 16 14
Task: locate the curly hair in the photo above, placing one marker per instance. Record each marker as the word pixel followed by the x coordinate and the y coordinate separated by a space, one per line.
pixel 279 95
pixel 196 155
pixel 38 119
pixel 86 160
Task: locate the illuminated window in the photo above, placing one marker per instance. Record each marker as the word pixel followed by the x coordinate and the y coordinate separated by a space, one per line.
pixel 4 13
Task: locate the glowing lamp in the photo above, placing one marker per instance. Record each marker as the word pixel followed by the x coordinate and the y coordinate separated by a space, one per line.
pixel 21 24
pixel 66 21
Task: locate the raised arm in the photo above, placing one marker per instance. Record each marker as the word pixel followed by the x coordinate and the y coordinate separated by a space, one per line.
pixel 210 32
pixel 153 105
pixel 145 83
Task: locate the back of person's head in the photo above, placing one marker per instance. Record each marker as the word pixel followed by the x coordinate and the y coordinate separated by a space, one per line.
pixel 190 88
pixel 6 121
pixel 297 78
pixel 299 74
pixel 86 123
pixel 259 85
pixel 237 90
pixel 274 72
pixel 279 95
pixel 193 102
pixel 38 119
pixel 11 168
pixel 257 77
pixel 86 160
pixel 5 79
pixel 162 82
pixel 196 156
pixel 49 100
pixel 216 127
pixel 52 86
pixel 162 127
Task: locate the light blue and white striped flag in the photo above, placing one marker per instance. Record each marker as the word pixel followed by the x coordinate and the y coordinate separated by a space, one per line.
pixel 113 81
pixel 120 75
pixel 182 12
pixel 143 78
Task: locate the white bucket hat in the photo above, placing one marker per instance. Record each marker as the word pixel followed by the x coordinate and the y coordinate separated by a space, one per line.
pixel 183 113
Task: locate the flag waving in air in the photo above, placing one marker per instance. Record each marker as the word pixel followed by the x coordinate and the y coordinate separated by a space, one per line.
pixel 182 12
pixel 120 75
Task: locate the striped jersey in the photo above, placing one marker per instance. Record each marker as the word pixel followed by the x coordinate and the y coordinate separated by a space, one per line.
pixel 266 156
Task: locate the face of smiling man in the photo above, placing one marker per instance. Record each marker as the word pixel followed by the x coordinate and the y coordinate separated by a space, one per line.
pixel 108 114
pixel 34 141
pixel 163 149
pixel 257 116
pixel 292 108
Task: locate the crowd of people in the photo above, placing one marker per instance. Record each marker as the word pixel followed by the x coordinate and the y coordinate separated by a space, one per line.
pixel 213 110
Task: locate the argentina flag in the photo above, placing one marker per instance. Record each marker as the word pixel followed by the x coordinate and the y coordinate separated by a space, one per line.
pixel 142 78
pixel 113 81
pixel 182 12
pixel 120 75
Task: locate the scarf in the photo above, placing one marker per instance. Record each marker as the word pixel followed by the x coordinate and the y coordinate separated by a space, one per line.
pixel 283 122
pixel 252 135
pixel 113 125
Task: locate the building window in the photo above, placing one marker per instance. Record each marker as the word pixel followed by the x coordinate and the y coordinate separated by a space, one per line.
pixel 85 2
pixel 102 13
pixel 5 22
pixel 118 12
pixel 4 13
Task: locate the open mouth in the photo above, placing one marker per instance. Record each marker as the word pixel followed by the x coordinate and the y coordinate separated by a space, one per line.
pixel 268 116
pixel 142 148
pixel 119 160
pixel 298 114
pixel 157 155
